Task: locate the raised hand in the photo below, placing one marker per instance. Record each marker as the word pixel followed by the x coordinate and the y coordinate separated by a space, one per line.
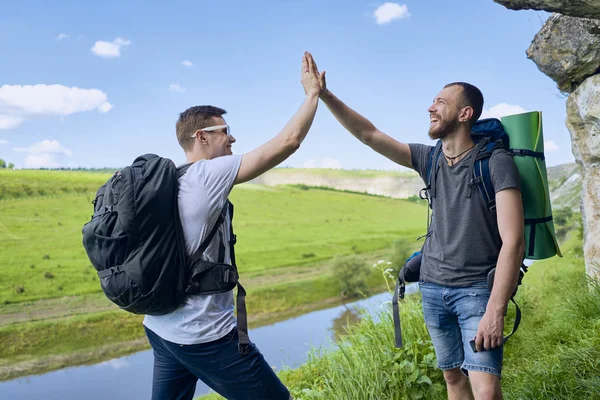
pixel 310 79
pixel 320 76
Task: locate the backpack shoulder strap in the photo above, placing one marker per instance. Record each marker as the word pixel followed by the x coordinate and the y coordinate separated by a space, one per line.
pixel 198 253
pixel 233 237
pixel 182 169
pixel 432 168
pixel 431 174
pixel 481 173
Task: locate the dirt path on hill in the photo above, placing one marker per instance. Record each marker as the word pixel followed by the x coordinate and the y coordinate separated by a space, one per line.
pixel 63 307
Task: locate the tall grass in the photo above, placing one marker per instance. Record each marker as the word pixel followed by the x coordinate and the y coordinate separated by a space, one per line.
pixel 366 365
pixel 555 354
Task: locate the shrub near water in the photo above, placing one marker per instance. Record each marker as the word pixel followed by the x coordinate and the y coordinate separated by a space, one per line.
pixel 368 366
pixel 353 273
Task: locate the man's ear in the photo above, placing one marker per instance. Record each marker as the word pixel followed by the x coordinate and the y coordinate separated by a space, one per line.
pixel 202 136
pixel 465 114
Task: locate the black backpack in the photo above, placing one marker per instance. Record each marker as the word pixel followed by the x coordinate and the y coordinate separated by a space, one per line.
pixel 135 241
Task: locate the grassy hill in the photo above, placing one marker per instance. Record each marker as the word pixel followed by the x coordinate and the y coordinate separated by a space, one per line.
pixel 565 183
pixel 397 184
pixel 51 306
pixel 41 255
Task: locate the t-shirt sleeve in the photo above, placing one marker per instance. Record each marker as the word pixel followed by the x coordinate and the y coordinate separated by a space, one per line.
pixel 504 172
pixel 419 154
pixel 219 176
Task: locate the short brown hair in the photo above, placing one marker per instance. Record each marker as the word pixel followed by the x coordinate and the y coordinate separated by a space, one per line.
pixel 191 120
pixel 472 97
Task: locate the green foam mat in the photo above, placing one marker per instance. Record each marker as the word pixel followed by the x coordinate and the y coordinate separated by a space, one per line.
pixel 525 132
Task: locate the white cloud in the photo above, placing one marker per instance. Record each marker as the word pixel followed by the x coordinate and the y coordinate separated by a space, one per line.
pixel 2 141
pixel 550 145
pixel 187 63
pixel 331 163
pixel 50 99
pixel 9 121
pixel 45 154
pixel 122 42
pixel 18 103
pixel 501 110
pixel 63 36
pixel 105 107
pixel 387 12
pixel 110 49
pixel 174 87
pixel 119 363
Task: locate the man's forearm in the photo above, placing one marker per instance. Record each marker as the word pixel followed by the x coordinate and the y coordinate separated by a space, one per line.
pixel 355 123
pixel 506 276
pixel 293 133
pixel 278 149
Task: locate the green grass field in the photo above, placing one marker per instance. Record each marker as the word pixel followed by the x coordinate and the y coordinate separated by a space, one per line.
pixel 52 310
pixel 41 254
pixel 28 183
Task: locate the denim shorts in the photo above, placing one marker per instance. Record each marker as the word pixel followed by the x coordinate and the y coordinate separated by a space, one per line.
pixel 452 316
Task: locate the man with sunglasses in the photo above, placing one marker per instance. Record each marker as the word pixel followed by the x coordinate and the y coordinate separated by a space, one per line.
pixel 199 340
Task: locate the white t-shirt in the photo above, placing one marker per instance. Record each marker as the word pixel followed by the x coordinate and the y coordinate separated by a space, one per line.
pixel 203 192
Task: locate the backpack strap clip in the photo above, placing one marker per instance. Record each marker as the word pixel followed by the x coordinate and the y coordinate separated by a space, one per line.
pixel 526 152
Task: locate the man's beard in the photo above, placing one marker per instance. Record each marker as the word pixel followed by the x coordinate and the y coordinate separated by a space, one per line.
pixel 443 128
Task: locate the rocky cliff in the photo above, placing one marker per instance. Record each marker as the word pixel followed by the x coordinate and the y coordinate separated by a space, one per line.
pixel 567 49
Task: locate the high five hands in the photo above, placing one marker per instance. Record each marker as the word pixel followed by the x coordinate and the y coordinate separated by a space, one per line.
pixel 312 81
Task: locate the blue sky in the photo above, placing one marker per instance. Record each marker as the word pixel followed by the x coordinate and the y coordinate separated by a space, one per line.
pixel 95 85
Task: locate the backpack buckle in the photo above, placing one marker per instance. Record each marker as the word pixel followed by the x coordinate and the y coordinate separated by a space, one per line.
pixel 401 290
pixel 243 348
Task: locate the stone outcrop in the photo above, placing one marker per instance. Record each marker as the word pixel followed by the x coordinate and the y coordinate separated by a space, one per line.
pixel 574 8
pixel 397 186
pixel 583 121
pixel 567 49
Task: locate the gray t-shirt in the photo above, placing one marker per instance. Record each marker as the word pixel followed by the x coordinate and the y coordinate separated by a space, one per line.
pixel 465 243
pixel 203 192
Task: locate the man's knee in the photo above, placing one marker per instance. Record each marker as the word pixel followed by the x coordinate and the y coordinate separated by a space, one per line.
pixel 454 377
pixel 485 386
pixel 487 393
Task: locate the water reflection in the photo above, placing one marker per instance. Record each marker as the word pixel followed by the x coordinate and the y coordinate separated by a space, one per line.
pixel 285 344
pixel 348 318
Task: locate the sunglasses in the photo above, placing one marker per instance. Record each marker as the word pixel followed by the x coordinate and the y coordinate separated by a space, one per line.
pixel 215 128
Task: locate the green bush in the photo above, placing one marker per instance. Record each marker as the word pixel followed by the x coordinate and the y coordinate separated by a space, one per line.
pixel 353 273
pixel 562 216
pixel 366 365
pixel 401 250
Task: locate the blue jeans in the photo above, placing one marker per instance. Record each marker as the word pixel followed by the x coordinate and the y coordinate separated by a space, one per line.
pixel 452 316
pixel 177 369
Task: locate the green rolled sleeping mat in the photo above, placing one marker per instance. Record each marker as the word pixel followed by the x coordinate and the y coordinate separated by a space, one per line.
pixel 527 143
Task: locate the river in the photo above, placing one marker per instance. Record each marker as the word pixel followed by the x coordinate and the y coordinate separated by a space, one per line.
pixel 284 344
